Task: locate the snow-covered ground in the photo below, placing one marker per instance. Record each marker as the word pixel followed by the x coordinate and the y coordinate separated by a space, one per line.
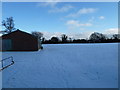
pixel 64 66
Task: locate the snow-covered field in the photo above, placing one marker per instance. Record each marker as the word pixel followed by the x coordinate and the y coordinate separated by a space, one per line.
pixel 64 66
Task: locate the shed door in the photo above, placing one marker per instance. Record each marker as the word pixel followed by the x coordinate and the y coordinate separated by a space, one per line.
pixel 6 44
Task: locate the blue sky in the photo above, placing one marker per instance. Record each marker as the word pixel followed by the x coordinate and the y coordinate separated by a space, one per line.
pixel 76 19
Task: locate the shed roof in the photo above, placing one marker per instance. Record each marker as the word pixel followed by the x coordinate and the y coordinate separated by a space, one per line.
pixel 16 32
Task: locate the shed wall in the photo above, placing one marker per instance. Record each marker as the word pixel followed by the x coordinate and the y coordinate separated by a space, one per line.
pixel 20 41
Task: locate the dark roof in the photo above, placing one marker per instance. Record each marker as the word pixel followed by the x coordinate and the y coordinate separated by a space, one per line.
pixel 18 31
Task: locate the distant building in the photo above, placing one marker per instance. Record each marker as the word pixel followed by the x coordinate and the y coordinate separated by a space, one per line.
pixel 20 41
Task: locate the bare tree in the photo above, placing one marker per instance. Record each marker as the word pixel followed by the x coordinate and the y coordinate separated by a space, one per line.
pixel 64 38
pixel 39 35
pixel 116 36
pixel 8 24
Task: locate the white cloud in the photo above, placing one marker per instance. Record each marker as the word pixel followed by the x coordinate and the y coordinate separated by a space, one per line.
pixel 54 8
pixel 48 35
pixel 101 17
pixel 83 11
pixel 86 10
pixel 62 9
pixel 46 4
pixel 84 35
pixel 76 23
pixel 111 31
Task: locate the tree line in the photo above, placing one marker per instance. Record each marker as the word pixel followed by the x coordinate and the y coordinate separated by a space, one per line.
pixel 93 38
